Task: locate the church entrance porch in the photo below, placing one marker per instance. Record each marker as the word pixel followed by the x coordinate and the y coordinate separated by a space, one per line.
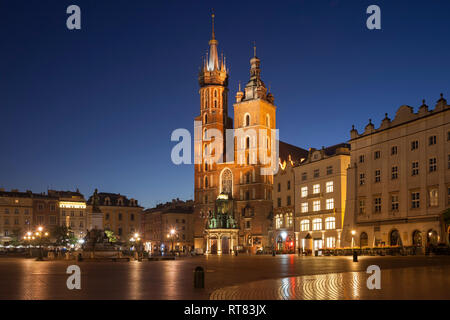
pixel 221 241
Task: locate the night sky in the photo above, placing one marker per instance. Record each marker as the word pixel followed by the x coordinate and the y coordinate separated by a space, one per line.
pixel 95 108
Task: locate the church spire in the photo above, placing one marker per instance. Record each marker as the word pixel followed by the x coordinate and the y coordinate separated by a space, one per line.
pixel 214 70
pixel 213 63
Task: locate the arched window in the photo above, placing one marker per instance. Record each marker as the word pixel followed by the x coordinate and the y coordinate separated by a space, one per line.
pixel 278 221
pixel 317 224
pixel 206 98
pixel 363 239
pixel 206 182
pixel 394 238
pixel 215 103
pixel 304 225
pixel 330 223
pixel 205 134
pixel 289 220
pixel 247 120
pixel 226 181
pixel 247 142
pixel 417 238
pixel 215 93
pixel 206 118
pixel 267 120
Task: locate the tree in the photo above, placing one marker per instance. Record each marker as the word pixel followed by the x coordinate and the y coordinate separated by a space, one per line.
pixel 16 240
pixel 63 236
pixel 111 236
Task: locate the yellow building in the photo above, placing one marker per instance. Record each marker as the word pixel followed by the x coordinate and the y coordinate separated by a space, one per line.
pixel 320 198
pixel 72 211
pixel 120 214
pixel 399 179
pixel 16 214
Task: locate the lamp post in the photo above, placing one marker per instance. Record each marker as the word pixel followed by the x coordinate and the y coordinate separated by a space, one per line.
pixel 353 235
pixel 136 239
pixel 171 236
pixel 28 237
pixel 40 234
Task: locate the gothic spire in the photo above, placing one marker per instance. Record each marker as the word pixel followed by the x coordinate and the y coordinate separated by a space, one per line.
pixel 213 63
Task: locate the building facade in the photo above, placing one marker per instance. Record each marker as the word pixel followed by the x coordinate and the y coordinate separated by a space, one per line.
pixel 320 197
pixel 241 174
pixel 158 223
pixel 71 211
pixel 16 214
pixel 399 179
pixel 283 238
pixel 120 214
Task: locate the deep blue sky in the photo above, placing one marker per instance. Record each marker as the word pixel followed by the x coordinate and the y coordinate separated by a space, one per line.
pixel 95 108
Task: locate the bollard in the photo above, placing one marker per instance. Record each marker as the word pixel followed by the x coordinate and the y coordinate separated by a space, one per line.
pixel 235 253
pixel 199 278
pixel 316 253
pixel 355 256
pixel 273 253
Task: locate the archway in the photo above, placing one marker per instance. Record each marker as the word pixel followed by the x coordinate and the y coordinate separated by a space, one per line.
pixel 363 240
pixel 417 238
pixel 213 243
pixel 394 238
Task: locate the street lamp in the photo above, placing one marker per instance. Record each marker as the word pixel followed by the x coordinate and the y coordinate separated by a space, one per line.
pixel 136 238
pixel 353 234
pixel 40 235
pixel 171 236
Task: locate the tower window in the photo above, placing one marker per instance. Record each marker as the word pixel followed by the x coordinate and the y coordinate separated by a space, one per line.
pixel 206 118
pixel 247 120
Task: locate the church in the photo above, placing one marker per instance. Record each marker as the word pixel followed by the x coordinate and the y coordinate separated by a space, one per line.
pixel 233 207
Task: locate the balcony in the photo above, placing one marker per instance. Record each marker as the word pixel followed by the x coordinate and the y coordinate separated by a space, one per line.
pixel 314 195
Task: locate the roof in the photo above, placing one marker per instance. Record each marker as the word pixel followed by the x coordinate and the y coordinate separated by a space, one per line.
pixel 114 200
pixel 296 153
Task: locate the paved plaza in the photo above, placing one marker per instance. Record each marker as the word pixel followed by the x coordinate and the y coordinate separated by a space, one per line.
pixel 230 277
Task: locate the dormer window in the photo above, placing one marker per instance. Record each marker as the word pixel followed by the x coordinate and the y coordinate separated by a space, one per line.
pixel 107 201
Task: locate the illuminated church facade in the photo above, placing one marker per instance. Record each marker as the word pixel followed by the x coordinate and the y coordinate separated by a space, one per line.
pixel 239 179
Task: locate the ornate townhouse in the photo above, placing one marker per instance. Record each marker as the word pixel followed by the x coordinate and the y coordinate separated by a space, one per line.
pixel 158 223
pixel 399 179
pixel 320 197
pixel 120 214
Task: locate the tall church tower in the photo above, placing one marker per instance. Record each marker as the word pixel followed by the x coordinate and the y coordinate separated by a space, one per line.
pixel 213 81
pixel 254 117
pixel 240 179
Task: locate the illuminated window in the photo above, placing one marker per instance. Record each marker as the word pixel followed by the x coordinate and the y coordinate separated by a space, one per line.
pixel 434 197
pixel 330 204
pixel 304 192
pixel 279 221
pixel 331 242
pixel 329 186
pixel 316 188
pixel 316 205
pixel 304 225
pixel 317 224
pixel 330 223
pixel 304 207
